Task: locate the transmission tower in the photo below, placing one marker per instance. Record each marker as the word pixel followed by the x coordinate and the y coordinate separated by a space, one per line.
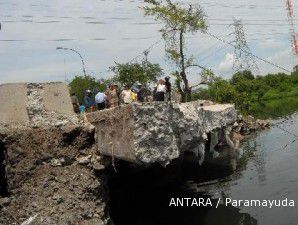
pixel 244 60
pixel 290 12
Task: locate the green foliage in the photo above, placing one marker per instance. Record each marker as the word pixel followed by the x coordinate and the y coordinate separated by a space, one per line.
pixel 79 84
pixel 252 95
pixel 129 73
pixel 243 75
pixel 175 16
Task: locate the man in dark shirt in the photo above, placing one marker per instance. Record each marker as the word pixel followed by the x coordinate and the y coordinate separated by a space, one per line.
pixel 168 89
pixel 88 102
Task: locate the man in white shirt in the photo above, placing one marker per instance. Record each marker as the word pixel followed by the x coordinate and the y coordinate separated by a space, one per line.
pixel 100 100
pixel 160 91
pixel 126 95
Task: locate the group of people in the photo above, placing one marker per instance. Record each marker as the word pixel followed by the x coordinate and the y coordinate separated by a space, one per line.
pixel 113 96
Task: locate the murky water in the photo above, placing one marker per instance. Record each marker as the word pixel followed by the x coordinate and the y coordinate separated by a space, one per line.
pixel 268 171
pixel 104 31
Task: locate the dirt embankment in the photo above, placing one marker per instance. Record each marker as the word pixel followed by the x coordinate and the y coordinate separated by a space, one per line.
pixel 52 176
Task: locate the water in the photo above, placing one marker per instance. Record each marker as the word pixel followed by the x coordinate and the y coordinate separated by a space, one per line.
pixel 104 31
pixel 268 170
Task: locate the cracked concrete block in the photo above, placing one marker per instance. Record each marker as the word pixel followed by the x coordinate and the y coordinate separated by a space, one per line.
pixel 13 103
pixel 36 104
pixel 158 132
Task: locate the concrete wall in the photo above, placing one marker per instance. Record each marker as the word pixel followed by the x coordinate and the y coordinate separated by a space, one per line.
pixel 56 98
pixel 35 104
pixel 13 99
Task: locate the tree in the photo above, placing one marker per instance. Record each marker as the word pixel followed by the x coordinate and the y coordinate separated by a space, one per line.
pixel 242 75
pixel 80 84
pixel 130 73
pixel 295 69
pixel 178 20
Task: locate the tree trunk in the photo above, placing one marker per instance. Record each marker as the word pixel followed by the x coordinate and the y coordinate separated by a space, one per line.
pixel 186 95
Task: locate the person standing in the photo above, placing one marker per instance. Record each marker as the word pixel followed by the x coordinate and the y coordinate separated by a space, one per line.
pixel 141 92
pixel 168 89
pixel 100 100
pixel 88 103
pixel 160 91
pixel 112 96
pixel 126 95
pixel 134 94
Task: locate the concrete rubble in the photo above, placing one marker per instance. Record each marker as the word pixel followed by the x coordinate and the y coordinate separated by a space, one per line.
pixel 158 132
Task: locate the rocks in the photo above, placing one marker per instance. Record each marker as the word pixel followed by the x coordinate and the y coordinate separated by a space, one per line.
pixel 84 160
pixel 30 220
pixel 96 163
pixel 4 202
pixel 249 125
pixel 57 162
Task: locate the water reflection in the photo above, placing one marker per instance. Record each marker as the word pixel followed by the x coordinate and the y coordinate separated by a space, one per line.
pixel 265 172
pixel 143 199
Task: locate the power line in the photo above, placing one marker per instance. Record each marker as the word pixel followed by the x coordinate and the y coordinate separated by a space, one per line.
pixel 252 24
pixel 214 52
pixel 242 61
pixel 146 50
pixel 257 57
pixel 137 56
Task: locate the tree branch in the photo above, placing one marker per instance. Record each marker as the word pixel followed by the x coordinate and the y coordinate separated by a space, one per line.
pixel 196 65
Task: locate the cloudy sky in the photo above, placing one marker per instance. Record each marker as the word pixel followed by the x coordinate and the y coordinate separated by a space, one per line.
pixel 105 31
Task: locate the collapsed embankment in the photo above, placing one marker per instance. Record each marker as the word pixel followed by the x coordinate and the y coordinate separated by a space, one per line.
pixel 54 176
pixel 49 167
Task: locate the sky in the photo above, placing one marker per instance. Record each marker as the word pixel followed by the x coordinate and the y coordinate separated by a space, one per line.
pixel 109 31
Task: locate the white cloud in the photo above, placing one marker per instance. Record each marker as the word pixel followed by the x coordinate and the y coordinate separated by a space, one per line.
pixel 226 66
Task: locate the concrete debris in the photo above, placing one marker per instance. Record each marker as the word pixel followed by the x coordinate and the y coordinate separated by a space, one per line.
pixel 4 201
pixel 249 125
pixel 96 162
pixel 30 220
pixel 84 160
pixel 57 162
pixel 158 132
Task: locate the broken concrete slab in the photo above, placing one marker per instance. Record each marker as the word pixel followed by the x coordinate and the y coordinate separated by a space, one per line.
pixel 158 132
pixel 114 132
pixel 13 103
pixel 57 99
pixel 36 104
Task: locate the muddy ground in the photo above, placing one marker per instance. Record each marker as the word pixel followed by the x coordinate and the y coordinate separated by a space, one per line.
pixel 51 176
